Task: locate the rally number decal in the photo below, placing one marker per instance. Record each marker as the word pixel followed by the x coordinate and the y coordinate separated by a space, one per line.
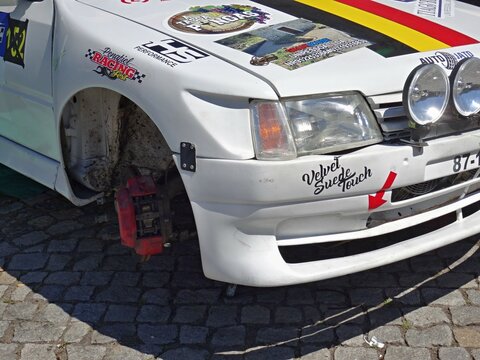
pixel 16 37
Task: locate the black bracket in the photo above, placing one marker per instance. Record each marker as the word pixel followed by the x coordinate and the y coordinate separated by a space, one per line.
pixel 188 157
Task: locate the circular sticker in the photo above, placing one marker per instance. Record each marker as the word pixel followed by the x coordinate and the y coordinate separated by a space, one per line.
pixel 218 19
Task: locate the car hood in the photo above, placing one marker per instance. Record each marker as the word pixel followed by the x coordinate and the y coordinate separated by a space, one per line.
pixel 308 46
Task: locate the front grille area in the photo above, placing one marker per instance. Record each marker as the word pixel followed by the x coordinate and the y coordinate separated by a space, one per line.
pixel 391 116
pixel 412 191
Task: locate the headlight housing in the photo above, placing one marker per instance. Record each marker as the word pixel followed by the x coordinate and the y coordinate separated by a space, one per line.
pixel 314 125
pixel 426 94
pixel 465 82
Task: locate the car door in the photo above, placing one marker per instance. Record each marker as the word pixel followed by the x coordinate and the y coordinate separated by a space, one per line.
pixel 26 103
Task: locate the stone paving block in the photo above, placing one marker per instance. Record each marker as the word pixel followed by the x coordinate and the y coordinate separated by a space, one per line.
pixel 41 222
pixel 350 335
pixel 446 297
pixel 388 334
pixel 476 354
pixel 427 264
pixel 99 338
pixel 121 313
pixel 98 278
pixel 271 296
pixel 473 296
pixel 370 296
pixel 50 293
pixel 20 293
pixel 404 296
pixel 272 353
pixel 465 315
pixel 190 280
pixel 79 293
pixel 157 334
pixel 89 312
pixel 20 311
pixel 6 278
pixel 373 279
pixel 117 331
pixel 154 314
pixel 3 327
pixel 288 315
pixel 94 246
pixel 439 335
pixel 223 315
pixel 317 334
pixel 58 262
pixel 453 353
pixel 86 352
pixel 353 315
pixel 63 278
pixel 156 279
pixel 126 278
pixel 8 351
pixel 331 297
pixel 76 331
pixel 125 353
pixel 6 249
pixel 193 334
pixel 271 335
pixel 255 314
pixel 30 239
pixel 457 280
pixel 63 227
pixel 55 314
pixel 467 336
pixel 38 352
pixel 186 354
pixel 37 332
pixel 300 296
pixel 190 314
pixel 312 315
pixel 202 296
pixel 119 294
pixel 229 336
pixel 404 353
pixel 62 246
pixel 357 353
pixel 90 262
pixel 3 289
pixel 28 262
pixel 157 296
pixel 313 353
pixel 426 316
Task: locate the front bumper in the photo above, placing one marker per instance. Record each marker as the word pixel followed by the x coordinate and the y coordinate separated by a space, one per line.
pixel 245 211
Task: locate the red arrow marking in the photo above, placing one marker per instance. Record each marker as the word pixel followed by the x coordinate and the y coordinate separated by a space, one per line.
pixel 375 201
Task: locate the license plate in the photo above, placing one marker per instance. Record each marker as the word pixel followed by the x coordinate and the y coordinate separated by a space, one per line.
pixel 465 162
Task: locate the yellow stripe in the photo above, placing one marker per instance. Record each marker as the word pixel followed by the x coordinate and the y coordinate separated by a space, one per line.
pixel 405 35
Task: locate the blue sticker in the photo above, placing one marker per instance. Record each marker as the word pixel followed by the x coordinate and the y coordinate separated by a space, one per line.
pixel 4 21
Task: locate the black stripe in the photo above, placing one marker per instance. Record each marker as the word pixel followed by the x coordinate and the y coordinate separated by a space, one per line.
pixel 471 2
pixel 383 45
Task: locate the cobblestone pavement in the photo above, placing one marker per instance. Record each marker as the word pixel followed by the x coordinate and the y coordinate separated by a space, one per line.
pixel 68 290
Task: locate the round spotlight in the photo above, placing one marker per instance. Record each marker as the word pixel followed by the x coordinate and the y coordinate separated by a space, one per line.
pixel 426 94
pixel 465 80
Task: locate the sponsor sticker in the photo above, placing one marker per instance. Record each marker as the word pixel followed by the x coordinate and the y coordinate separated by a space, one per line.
pixel 446 59
pixel 218 19
pixel 435 8
pixel 4 18
pixel 294 44
pixel 114 66
pixel 171 52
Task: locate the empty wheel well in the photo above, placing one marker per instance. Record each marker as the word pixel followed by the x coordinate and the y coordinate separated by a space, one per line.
pixel 107 138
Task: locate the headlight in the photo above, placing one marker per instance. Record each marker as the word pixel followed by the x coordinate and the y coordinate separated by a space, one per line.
pixel 466 86
pixel 426 94
pixel 313 126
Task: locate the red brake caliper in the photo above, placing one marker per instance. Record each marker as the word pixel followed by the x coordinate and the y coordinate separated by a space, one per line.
pixel 143 226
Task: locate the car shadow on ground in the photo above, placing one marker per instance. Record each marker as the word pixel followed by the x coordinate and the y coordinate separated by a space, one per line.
pixel 86 284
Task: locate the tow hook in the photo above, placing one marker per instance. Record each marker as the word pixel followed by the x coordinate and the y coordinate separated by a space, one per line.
pixel 143 216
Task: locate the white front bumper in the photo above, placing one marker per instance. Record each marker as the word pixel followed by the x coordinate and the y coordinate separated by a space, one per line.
pixel 245 210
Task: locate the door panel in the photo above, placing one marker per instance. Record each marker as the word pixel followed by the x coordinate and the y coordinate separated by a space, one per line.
pixel 26 105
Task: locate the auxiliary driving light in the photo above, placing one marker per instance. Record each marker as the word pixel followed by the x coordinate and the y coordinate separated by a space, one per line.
pixel 465 81
pixel 426 94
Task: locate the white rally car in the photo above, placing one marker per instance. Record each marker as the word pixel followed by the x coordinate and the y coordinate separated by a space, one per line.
pixel 293 126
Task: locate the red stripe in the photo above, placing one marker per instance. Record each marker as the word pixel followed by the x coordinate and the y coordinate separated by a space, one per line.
pixel 427 27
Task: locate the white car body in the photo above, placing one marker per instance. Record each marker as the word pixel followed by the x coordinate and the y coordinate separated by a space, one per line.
pixel 246 210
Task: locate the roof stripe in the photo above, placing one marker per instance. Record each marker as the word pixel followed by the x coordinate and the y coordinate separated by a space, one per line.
pixel 391 28
pixel 425 26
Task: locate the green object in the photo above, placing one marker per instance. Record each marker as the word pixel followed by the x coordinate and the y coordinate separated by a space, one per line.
pixel 18 186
